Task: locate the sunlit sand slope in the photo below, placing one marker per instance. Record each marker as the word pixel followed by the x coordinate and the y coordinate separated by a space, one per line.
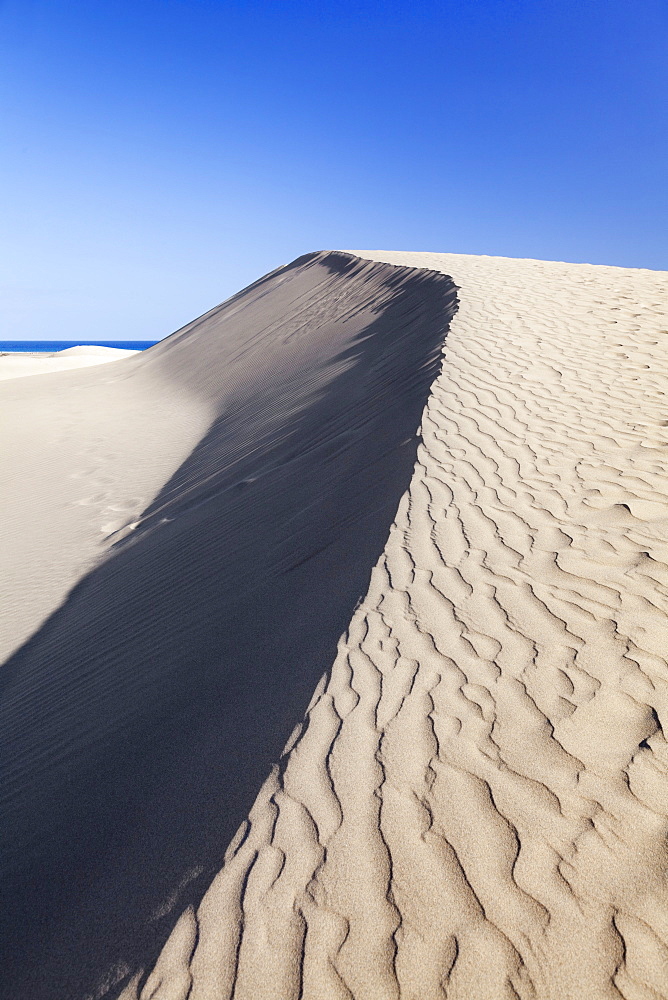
pixel 476 806
pixel 21 364
pixel 196 524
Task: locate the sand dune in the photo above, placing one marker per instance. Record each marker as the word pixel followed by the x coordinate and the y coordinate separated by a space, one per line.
pixel 18 365
pixel 475 803
pixel 200 521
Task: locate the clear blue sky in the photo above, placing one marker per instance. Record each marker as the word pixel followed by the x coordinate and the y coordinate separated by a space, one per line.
pixel 158 155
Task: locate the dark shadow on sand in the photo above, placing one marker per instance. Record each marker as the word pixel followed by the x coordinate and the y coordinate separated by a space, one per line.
pixel 165 687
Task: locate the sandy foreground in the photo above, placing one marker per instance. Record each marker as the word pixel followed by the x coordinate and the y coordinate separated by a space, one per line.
pixel 237 539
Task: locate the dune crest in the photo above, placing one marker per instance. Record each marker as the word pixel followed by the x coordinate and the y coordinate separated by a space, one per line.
pixel 476 805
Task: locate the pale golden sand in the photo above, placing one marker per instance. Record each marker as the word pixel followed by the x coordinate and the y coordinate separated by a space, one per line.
pixel 477 806
pixel 476 803
pixel 19 364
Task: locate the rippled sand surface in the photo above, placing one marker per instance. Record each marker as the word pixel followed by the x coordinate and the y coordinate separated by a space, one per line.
pixel 475 803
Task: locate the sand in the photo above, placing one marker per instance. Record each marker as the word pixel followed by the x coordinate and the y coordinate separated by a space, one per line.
pixel 474 800
pixel 17 364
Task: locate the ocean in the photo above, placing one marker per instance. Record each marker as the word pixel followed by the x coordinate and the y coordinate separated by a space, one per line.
pixel 49 346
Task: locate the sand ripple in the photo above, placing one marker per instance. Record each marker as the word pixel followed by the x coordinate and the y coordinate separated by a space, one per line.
pixel 476 805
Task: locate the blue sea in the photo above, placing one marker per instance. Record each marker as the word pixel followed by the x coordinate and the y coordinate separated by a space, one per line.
pixel 50 346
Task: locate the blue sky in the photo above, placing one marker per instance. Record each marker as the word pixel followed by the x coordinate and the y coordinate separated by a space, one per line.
pixel 158 155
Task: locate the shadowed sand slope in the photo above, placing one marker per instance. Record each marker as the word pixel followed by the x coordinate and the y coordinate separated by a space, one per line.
pixel 210 511
pixel 476 806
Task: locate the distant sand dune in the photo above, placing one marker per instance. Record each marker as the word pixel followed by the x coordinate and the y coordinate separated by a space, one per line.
pixel 475 805
pixel 18 365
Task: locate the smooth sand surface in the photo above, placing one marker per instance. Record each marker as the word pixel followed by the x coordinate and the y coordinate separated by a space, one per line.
pixel 19 364
pixel 475 804
pixel 83 454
